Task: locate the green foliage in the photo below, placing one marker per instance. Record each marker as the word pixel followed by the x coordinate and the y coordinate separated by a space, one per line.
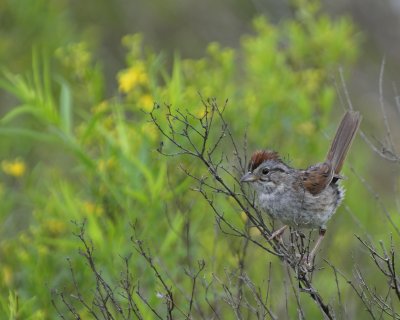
pixel 95 158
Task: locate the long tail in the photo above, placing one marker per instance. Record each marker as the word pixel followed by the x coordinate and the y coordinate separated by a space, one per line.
pixel 343 139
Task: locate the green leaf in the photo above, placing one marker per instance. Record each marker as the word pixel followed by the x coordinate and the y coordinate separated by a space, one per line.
pixel 27 133
pixel 20 111
pixel 66 107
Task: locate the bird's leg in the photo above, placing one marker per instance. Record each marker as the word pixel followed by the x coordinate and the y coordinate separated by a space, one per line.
pixel 277 233
pixel 317 244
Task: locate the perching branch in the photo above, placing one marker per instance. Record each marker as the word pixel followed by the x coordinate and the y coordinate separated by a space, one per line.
pixel 208 140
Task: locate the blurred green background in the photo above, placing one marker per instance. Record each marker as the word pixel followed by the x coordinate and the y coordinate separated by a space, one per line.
pixel 76 144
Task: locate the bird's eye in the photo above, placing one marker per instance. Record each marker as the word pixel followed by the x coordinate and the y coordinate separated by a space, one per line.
pixel 265 171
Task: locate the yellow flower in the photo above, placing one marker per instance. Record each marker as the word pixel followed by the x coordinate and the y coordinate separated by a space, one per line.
pixel 146 102
pixel 15 168
pixel 76 57
pixel 132 77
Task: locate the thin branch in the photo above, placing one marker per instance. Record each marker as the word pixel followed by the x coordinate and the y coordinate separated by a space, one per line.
pixel 225 183
pixel 382 106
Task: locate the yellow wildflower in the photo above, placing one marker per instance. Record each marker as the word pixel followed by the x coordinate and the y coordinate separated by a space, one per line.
pixel 15 168
pixel 146 102
pixel 76 57
pixel 132 77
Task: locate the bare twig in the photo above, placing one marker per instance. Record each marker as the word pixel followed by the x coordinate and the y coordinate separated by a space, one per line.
pixel 387 153
pixel 389 138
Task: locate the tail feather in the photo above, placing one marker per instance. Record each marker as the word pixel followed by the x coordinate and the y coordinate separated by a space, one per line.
pixel 344 136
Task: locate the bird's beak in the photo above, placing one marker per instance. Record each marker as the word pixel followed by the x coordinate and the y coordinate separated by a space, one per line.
pixel 248 177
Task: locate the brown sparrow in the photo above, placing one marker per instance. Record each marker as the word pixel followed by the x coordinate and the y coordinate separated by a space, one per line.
pixel 303 198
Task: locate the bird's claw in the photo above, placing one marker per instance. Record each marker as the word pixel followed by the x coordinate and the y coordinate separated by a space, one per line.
pixel 306 262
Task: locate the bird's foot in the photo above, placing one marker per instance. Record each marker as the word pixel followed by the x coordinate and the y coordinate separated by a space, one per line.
pixel 305 262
